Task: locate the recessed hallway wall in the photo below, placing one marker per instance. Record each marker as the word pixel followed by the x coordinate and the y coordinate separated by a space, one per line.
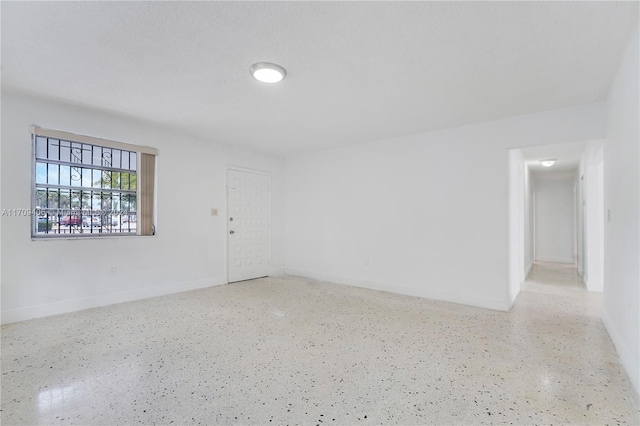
pixel 555 219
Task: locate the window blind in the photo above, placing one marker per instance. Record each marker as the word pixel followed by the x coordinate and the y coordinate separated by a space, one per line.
pixel 146 175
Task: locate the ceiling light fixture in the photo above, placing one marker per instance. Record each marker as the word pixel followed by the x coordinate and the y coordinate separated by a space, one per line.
pixel 268 73
pixel 548 163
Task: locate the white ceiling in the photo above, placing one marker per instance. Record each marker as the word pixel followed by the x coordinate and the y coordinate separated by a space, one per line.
pixel 568 157
pixel 357 71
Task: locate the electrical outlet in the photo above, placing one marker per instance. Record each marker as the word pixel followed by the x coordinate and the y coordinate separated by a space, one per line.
pixel 214 212
pixel 113 270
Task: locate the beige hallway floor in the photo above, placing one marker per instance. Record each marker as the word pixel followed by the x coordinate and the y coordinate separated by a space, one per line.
pixel 290 350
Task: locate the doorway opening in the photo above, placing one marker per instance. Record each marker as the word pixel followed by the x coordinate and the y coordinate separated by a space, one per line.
pixel 556 212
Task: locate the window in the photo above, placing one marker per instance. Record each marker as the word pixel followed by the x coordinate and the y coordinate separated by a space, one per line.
pixel 86 186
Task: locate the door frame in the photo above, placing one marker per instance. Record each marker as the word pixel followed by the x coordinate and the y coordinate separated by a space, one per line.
pixel 229 167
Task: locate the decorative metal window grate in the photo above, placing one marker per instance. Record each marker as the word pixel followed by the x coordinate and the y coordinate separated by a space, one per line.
pixel 83 189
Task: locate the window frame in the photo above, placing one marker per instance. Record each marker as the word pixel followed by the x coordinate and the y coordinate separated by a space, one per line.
pixel 36 132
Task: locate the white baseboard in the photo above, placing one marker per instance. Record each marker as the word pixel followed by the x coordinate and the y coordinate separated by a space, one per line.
pixel 30 312
pixel 513 297
pixel 592 285
pixel 628 361
pixel 528 269
pixel 277 271
pixel 555 260
pixel 478 301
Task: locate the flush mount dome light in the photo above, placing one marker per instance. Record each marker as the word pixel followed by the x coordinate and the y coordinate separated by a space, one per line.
pixel 548 163
pixel 268 73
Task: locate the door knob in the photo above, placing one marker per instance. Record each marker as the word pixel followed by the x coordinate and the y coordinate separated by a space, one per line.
pixel 232 232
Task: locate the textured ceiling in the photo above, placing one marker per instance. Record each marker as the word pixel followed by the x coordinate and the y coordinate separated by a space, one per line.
pixel 356 71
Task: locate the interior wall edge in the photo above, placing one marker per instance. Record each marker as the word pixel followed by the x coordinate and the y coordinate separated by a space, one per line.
pixel 526 273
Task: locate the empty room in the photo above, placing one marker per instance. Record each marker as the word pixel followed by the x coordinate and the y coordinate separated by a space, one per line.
pixel 411 213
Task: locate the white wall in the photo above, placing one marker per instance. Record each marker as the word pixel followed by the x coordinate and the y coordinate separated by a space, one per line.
pixel 591 206
pixel 621 314
pixel 529 228
pixel 519 223
pixel 580 218
pixel 41 278
pixel 554 219
pixel 425 214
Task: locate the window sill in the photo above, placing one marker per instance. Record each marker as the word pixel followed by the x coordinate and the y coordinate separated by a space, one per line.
pixel 91 237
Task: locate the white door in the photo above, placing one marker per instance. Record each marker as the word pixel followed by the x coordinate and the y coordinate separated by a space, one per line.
pixel 248 196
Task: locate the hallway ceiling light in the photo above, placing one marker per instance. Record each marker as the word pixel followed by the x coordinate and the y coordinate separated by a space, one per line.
pixel 548 163
pixel 267 73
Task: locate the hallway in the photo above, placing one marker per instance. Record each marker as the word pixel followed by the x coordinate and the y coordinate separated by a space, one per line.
pixel 291 350
pixel 564 320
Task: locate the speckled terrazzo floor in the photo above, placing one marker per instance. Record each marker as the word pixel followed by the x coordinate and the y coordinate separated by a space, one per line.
pixel 290 350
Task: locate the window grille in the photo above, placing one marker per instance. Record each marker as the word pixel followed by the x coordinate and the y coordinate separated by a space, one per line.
pixel 89 187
